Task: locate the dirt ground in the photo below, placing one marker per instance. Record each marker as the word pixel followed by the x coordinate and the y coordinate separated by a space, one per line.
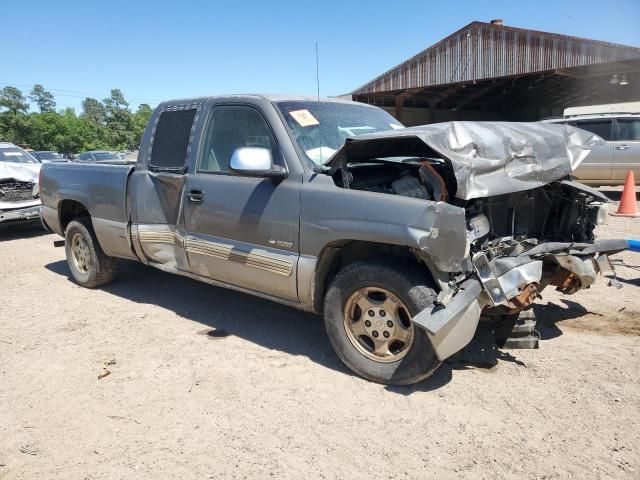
pixel 208 383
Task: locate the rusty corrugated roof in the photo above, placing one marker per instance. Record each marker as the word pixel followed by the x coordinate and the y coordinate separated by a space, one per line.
pixel 483 50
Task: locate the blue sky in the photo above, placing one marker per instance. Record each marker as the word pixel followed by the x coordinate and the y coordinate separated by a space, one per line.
pixel 159 50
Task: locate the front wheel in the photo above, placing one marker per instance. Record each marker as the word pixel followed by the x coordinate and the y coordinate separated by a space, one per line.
pixel 89 265
pixel 367 311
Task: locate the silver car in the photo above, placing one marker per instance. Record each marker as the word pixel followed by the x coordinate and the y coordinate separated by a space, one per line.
pixel 609 163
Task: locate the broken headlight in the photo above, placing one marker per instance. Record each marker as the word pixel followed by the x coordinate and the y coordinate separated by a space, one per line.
pixel 603 213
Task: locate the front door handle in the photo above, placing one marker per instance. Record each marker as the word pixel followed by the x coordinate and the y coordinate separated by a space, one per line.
pixel 195 196
pixel 622 147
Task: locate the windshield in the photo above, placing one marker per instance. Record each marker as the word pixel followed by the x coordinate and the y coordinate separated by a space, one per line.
pixel 320 128
pixel 102 156
pixel 15 155
pixel 48 155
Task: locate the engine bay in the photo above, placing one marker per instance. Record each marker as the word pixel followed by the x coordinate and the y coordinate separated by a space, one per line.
pixel 425 178
pixel 561 211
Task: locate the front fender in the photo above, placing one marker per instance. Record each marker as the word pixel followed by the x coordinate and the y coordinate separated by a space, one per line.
pixel 330 214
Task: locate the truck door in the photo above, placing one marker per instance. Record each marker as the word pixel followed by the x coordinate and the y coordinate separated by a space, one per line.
pixel 626 149
pixel 241 231
pixel 156 188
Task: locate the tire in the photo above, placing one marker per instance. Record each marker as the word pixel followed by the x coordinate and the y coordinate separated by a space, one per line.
pixel 413 288
pixel 95 268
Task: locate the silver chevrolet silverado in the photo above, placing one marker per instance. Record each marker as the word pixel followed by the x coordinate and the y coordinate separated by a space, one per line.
pixel 401 237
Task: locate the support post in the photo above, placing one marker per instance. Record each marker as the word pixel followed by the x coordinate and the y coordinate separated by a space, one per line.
pixel 399 105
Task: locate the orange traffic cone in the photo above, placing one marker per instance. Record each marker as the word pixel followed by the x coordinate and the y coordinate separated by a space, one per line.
pixel 627 206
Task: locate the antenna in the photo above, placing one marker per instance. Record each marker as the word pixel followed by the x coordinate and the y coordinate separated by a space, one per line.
pixel 317 72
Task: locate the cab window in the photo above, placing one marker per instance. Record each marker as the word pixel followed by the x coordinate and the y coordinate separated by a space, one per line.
pixel 171 140
pixel 229 128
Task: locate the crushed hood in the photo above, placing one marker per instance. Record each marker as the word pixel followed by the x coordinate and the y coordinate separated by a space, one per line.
pixel 20 172
pixel 488 158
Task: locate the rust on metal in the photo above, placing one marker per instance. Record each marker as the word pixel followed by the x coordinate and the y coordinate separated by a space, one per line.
pixel 481 51
pixel 565 281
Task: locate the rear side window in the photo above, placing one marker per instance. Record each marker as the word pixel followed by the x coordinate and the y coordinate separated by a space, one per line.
pixel 628 129
pixel 602 128
pixel 171 139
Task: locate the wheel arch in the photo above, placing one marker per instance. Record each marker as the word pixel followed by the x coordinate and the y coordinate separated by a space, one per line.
pixel 338 254
pixel 69 210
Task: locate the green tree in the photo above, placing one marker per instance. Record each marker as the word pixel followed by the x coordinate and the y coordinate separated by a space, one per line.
pixel 140 120
pixel 14 127
pixel 100 126
pixel 13 100
pixel 42 98
pixel 14 123
pixel 119 122
pixel 115 102
pixel 93 111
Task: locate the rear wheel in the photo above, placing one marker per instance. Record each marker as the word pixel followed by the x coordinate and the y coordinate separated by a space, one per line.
pixel 89 265
pixel 368 310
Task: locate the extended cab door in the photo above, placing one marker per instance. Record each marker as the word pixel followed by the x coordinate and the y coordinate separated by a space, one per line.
pixel 157 185
pixel 626 148
pixel 242 231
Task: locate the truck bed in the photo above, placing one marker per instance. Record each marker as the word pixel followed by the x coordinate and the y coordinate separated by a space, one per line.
pixel 100 189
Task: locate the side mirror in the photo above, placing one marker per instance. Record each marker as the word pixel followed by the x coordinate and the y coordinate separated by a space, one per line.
pixel 255 162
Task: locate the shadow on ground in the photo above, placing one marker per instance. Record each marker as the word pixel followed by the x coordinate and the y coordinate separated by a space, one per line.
pixel 549 315
pixel 224 312
pixel 15 231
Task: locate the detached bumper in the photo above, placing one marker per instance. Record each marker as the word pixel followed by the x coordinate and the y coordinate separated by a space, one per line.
pixel 452 327
pixel 504 281
pixel 20 214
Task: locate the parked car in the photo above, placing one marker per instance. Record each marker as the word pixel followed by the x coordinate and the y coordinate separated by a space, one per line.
pixel 609 162
pixel 19 195
pixel 401 238
pixel 48 156
pixel 97 156
pixel 131 157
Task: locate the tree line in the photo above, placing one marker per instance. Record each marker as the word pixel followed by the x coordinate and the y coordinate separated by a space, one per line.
pixel 107 124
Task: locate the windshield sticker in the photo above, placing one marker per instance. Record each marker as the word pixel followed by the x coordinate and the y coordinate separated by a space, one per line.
pixel 12 154
pixel 304 118
pixel 395 126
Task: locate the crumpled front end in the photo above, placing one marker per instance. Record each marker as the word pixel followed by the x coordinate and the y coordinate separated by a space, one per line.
pixel 518 245
pixel 19 193
pixel 19 200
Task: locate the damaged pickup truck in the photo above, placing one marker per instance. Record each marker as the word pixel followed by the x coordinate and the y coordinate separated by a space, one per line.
pixel 401 237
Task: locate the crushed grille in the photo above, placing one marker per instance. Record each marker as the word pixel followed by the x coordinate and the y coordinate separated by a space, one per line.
pixel 16 192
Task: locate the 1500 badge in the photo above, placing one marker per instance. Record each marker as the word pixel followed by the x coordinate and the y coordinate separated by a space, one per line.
pixel 280 243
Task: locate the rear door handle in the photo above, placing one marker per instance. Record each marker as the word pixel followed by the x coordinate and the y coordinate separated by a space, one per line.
pixel 622 147
pixel 195 196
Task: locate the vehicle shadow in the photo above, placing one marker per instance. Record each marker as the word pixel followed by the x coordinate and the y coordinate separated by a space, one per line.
pixel 482 353
pixel 14 231
pixel 549 315
pixel 226 312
